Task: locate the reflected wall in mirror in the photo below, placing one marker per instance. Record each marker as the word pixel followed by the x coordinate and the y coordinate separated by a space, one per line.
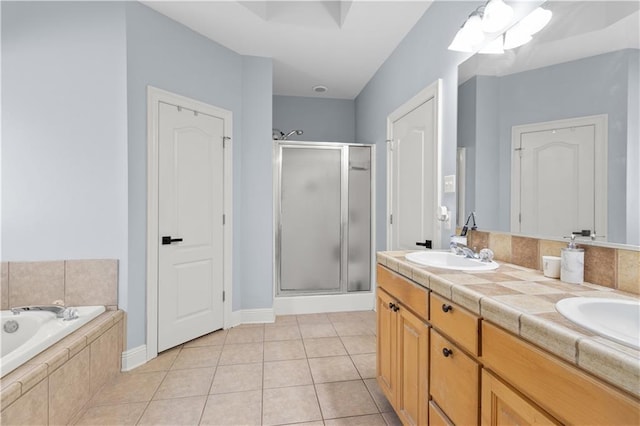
pixel 583 65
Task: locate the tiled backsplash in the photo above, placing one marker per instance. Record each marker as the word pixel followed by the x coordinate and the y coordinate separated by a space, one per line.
pixel 606 266
pixel 75 282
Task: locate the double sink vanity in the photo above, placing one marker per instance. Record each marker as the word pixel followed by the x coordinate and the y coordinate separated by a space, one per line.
pixel 469 346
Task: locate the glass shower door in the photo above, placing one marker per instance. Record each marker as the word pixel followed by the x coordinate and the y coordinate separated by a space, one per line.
pixel 311 219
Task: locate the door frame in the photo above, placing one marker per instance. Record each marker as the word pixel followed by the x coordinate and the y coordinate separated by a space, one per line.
pixel 434 90
pixel 154 96
pixel 600 123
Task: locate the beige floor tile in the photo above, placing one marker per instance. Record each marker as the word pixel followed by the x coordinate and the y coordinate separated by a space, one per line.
pixel 279 374
pixel 378 397
pixel 285 332
pixel 359 344
pixel 185 383
pixel 245 335
pixel 179 411
pixel 238 408
pixel 129 388
pixel 333 369
pixel 345 399
pixel 318 423
pixel 370 420
pixel 120 414
pixel 237 378
pixel 241 353
pixel 354 316
pixel 392 419
pixel 198 357
pixel 216 338
pixel 353 328
pixel 312 331
pixel 290 405
pixel 283 320
pixel 162 362
pixel 313 319
pixel 282 350
pixel 366 365
pixel 327 346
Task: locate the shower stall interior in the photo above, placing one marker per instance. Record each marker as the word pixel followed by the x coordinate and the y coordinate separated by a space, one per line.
pixel 323 218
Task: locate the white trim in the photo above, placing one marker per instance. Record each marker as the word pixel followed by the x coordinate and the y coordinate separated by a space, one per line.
pixel 600 123
pixel 155 95
pixel 253 316
pixel 434 90
pixel 360 301
pixel 134 357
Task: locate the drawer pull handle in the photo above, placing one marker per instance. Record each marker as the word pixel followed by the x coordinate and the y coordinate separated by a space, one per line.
pixel 391 305
pixel 396 308
pixel 447 352
pixel 446 308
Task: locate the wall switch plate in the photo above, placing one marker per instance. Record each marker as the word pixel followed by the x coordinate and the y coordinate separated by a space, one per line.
pixel 450 183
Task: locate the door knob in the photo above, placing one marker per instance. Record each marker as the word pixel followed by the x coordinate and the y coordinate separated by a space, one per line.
pixel 168 240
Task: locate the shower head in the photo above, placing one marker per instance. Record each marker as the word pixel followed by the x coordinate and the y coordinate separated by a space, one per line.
pixel 297 132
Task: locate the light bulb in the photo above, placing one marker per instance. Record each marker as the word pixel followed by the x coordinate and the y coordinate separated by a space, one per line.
pixel 469 36
pixel 515 38
pixel 497 15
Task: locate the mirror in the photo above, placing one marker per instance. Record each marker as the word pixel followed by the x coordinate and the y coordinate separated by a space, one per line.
pixel 585 63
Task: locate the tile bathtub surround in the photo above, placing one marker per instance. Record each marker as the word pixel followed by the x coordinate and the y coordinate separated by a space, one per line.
pixel 317 368
pixel 58 383
pixel 615 268
pixel 75 282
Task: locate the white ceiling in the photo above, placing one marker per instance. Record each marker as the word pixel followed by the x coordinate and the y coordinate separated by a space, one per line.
pixel 338 44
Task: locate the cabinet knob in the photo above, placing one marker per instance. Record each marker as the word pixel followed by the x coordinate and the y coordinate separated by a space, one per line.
pixel 447 352
pixel 446 308
pixel 391 305
pixel 396 308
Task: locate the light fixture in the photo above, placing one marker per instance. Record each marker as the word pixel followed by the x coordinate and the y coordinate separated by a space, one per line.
pixel 494 47
pixel 320 89
pixel 470 35
pixel 496 16
pixel 529 25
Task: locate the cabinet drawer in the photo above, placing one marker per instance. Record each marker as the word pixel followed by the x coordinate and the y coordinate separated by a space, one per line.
pixel 455 381
pixel 437 417
pixel 568 394
pixel 404 291
pixel 456 322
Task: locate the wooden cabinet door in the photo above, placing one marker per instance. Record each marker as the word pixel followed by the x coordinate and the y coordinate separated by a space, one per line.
pixel 386 359
pixel 501 405
pixel 413 368
pixel 454 380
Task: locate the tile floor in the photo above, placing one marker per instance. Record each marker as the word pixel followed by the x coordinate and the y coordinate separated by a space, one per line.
pixel 316 369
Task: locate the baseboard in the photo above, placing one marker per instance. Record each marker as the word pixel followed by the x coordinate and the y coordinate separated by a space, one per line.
pixel 252 316
pixel 134 357
pixel 324 303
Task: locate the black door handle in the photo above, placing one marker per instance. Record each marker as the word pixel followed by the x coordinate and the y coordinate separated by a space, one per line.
pixel 426 244
pixel 168 240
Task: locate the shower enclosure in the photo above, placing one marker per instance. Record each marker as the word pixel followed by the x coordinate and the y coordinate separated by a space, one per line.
pixel 323 218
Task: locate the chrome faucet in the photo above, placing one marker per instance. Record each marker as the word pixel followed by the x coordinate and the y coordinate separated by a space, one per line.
pixel 462 250
pixel 60 311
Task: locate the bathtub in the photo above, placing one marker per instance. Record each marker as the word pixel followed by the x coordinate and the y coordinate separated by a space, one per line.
pixel 36 331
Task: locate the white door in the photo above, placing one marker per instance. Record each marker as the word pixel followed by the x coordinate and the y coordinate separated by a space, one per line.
pixel 557 181
pixel 190 225
pixel 413 175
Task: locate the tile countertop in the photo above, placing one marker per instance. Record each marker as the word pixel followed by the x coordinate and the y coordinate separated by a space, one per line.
pixel 522 301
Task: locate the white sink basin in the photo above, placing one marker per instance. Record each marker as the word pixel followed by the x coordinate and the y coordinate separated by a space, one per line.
pixel 448 260
pixel 615 319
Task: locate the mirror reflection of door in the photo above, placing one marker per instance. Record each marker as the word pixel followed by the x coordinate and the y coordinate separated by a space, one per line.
pixel 555 171
pixel 413 172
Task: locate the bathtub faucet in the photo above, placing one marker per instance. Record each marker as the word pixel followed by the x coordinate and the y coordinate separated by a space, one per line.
pixel 60 311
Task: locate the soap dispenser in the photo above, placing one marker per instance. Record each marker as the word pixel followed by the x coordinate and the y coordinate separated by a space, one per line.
pixel 572 263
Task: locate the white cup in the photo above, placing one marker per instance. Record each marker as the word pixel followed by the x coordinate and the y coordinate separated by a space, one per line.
pixel 551 266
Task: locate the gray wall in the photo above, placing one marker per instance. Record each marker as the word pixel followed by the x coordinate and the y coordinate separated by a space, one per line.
pixel 321 119
pixel 590 86
pixel 74 79
pixel 64 134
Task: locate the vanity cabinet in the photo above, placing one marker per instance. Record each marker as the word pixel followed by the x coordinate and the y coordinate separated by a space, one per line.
pixel 563 391
pixel 403 346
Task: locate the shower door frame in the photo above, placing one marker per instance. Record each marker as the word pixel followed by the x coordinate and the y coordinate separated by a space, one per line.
pixel 344 225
